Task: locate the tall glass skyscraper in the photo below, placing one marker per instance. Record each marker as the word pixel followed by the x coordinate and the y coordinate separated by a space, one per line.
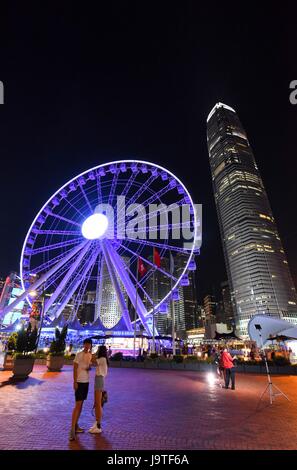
pixel 257 268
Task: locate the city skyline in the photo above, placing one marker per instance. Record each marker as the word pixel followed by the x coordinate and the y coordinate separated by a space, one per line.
pixel 121 95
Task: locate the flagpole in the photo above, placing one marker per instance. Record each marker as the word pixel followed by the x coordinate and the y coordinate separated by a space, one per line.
pixel 135 309
pixel 154 345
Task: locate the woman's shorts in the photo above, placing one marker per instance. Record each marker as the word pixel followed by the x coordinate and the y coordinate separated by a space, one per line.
pixel 99 382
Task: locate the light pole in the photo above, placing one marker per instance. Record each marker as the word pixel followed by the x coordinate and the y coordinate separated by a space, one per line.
pixel 41 317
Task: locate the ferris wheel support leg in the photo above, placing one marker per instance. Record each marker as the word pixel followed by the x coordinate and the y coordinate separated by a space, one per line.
pixel 42 279
pixel 116 285
pixel 130 288
pixel 75 287
pixel 66 278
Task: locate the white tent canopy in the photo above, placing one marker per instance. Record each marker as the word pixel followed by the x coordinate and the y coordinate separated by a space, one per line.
pixel 270 327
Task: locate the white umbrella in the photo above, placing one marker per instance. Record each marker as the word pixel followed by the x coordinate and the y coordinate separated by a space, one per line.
pixel 268 327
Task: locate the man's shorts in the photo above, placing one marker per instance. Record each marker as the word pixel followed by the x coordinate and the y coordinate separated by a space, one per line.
pixel 82 391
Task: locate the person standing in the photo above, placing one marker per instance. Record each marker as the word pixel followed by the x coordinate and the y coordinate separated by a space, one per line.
pixel 228 366
pixel 81 367
pixel 101 373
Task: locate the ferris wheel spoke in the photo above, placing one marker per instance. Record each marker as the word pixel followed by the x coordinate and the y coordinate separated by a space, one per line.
pixel 86 199
pixel 56 232
pixel 75 208
pixel 144 187
pixel 43 278
pixel 129 183
pixel 55 246
pixel 140 286
pixel 129 287
pixel 54 279
pixel 60 217
pixel 155 267
pixel 72 288
pixel 113 186
pixel 158 195
pixel 149 216
pixel 99 283
pixel 99 191
pixel 66 278
pixel 113 277
pixel 84 281
pixel 156 245
pixel 45 266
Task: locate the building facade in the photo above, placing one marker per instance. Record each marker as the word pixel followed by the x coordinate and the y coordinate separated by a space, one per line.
pixel 258 272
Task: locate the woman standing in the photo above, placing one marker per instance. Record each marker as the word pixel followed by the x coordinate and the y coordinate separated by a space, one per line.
pixel 101 373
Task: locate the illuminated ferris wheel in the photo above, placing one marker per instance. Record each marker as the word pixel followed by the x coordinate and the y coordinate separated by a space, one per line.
pixel 84 234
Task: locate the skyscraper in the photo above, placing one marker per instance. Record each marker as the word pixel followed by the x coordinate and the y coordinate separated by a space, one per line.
pixel 257 268
pixel 107 306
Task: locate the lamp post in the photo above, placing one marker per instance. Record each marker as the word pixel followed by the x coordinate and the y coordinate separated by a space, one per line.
pixel 41 317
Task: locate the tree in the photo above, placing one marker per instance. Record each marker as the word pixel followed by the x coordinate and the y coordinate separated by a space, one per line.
pixel 58 345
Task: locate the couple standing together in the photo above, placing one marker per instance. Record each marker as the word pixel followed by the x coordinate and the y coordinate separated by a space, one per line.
pixel 81 367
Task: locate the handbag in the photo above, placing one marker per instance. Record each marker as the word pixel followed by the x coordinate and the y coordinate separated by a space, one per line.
pixel 104 397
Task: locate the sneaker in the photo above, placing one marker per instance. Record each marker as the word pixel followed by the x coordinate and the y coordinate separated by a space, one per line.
pixel 233 388
pixel 72 436
pixel 79 429
pixel 94 429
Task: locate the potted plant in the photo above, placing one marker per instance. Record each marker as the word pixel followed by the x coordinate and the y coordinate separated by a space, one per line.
pixel 23 358
pixel 8 357
pixel 55 358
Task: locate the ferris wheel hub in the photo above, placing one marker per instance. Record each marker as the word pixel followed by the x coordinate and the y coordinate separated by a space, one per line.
pixel 94 226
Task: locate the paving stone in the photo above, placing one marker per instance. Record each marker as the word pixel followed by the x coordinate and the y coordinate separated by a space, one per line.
pixel 149 409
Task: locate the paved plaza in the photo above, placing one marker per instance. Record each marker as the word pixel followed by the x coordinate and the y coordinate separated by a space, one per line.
pixel 149 409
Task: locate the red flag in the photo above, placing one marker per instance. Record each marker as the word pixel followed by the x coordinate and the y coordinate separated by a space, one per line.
pixel 141 267
pixel 157 258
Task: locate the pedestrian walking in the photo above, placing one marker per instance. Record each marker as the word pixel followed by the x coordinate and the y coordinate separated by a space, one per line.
pixel 81 368
pixel 228 365
pixel 101 373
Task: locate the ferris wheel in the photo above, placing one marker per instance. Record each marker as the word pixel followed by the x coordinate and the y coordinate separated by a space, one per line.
pixel 98 228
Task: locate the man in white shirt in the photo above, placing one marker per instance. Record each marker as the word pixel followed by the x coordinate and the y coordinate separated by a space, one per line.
pixel 81 367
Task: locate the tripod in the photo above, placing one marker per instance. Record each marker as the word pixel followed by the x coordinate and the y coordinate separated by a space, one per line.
pixel 273 390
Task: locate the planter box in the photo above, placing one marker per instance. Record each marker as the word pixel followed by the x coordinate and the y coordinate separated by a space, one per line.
pixel 138 365
pixel 177 365
pixel 253 369
pixel 22 367
pixel 192 366
pixel 151 365
pixel 54 363
pixel 8 362
pixel 115 363
pixel 207 367
pixel 127 364
pixel 165 365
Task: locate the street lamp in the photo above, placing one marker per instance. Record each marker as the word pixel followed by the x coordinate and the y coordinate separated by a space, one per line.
pixel 41 317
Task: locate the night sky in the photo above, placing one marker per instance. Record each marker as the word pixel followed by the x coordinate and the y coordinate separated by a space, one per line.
pixel 86 85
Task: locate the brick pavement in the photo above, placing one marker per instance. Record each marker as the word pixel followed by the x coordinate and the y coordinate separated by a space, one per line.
pixel 149 409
